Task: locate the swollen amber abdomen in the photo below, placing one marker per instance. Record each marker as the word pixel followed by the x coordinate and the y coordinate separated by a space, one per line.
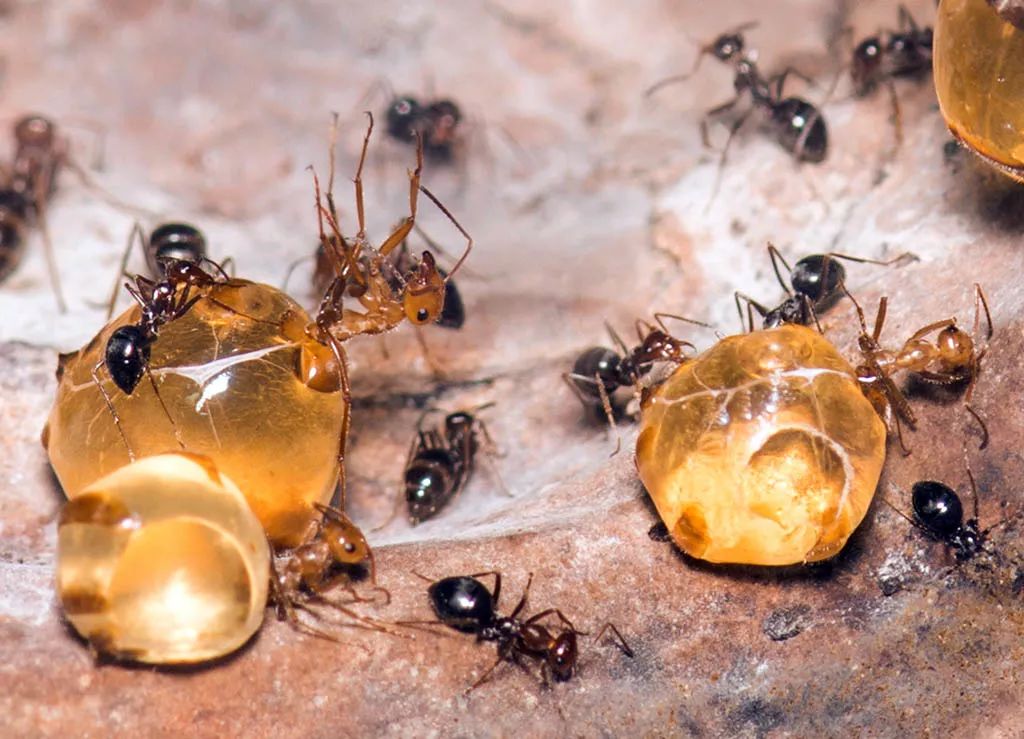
pixel 163 561
pixel 763 450
pixel 979 79
pixel 232 373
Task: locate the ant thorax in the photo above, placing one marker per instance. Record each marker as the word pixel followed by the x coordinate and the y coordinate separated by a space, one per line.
pixel 763 450
pixel 241 382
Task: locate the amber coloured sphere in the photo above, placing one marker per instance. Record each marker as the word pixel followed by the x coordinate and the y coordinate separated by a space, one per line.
pixel 978 63
pixel 163 561
pixel 763 450
pixel 230 372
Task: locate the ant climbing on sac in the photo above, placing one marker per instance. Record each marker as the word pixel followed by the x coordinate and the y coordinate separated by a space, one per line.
pixel 26 185
pixel 598 371
pixel 953 359
pixel 464 603
pixel 814 286
pixel 436 123
pixel 798 126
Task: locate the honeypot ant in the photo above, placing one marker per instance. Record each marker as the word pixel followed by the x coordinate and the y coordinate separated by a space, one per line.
pixel 815 283
pixel 465 604
pixel 953 359
pixel 435 122
pixel 797 125
pixel 27 185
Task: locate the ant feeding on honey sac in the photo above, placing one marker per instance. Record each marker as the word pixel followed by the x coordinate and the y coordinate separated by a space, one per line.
pixel 599 371
pixel 815 284
pixel 465 604
pixel 797 125
pixel 763 450
pixel 162 561
pixel 979 80
pixel 26 186
pixel 952 360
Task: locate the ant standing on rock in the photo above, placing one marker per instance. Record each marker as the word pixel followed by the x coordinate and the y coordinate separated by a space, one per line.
pixel 464 603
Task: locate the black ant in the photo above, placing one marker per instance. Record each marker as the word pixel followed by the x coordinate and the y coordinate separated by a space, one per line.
pixel 27 185
pixel 435 122
pixel 798 125
pixel 465 604
pixel 907 52
pixel 598 371
pixel 953 359
pixel 815 283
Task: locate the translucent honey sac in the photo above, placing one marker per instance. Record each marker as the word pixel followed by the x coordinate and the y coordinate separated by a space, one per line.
pixel 163 561
pixel 979 78
pixel 763 450
pixel 231 374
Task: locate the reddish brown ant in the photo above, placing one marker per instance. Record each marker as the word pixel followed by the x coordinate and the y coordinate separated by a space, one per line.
pixel 952 359
pixel 464 603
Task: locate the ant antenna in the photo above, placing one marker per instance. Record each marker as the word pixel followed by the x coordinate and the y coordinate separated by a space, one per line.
pixel 705 49
pixel 469 239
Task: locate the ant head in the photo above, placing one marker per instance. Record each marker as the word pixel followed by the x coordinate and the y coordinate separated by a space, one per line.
pixel 867 60
pixel 35 130
pixel 345 540
pixel 562 656
pixel 458 423
pixel 817 277
pixel 423 300
pixel 178 241
pixel 726 46
pixel 937 507
pixel 403 117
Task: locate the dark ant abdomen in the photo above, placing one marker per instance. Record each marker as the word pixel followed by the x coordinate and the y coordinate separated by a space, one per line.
pixel 127 356
pixel 463 603
pixel 13 211
pixel 801 129
pixel 431 479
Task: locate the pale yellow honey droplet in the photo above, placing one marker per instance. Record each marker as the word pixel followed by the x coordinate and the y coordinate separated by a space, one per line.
pixel 163 561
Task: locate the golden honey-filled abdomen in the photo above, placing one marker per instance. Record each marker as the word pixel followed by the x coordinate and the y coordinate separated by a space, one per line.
pixel 763 450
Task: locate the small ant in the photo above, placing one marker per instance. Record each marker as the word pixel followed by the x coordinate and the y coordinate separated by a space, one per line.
pixel 598 371
pixel 798 125
pixel 814 286
pixel 465 604
pixel 25 188
pixel 436 123
pixel 953 359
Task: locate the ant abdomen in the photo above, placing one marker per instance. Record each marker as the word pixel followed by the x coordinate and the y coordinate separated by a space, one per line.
pixel 801 129
pixel 600 362
pixel 174 242
pixel 429 482
pixel 463 603
pixel 13 211
pixel 937 507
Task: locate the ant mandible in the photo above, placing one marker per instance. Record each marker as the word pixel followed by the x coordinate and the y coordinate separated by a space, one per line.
pixel 797 124
pixel 465 604
pixel 436 122
pixel 952 359
pixel 814 286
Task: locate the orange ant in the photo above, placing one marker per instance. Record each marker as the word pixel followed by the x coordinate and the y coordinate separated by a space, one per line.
pixel 952 359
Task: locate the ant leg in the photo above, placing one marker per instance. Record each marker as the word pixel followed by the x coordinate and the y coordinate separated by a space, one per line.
pixel 156 392
pixel 465 234
pixel 620 639
pixel 776 257
pixel 931 327
pixel 883 306
pixel 496 594
pixel 487 674
pixel 435 369
pixel 291 269
pixel 907 21
pixel 358 181
pixel 736 126
pixel 561 617
pixel 113 411
pixel 751 304
pixel 981 303
pixel 659 317
pixel 51 257
pixel 400 234
pixel 617 340
pixel 981 423
pixel 913 521
pixel 779 80
pixel 974 489
pixel 346 417
pixel 809 307
pixel 904 449
pixel 522 601
pixel 121 272
pixel 677 77
pixel 897 117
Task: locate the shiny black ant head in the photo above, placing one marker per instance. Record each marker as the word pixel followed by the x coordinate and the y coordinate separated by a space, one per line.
pixel 463 603
pixel 599 361
pixel 458 423
pixel 937 507
pixel 453 314
pixel 867 61
pixel 127 356
pixel 404 118
pixel 800 129
pixel 562 656
pixel 726 46
pixel 818 277
pixel 177 241
pixel 35 130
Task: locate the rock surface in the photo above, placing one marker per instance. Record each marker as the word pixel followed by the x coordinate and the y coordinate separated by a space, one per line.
pixel 587 202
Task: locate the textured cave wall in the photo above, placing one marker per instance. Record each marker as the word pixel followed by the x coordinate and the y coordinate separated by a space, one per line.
pixel 587 202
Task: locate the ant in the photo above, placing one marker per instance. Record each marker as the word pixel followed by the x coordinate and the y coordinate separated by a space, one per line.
pixel 798 126
pixel 598 371
pixel 815 283
pixel 26 186
pixel 907 52
pixel 465 604
pixel 953 359
pixel 436 123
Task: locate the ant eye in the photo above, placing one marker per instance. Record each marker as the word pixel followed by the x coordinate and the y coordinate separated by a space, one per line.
pixel 350 547
pixel 422 315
